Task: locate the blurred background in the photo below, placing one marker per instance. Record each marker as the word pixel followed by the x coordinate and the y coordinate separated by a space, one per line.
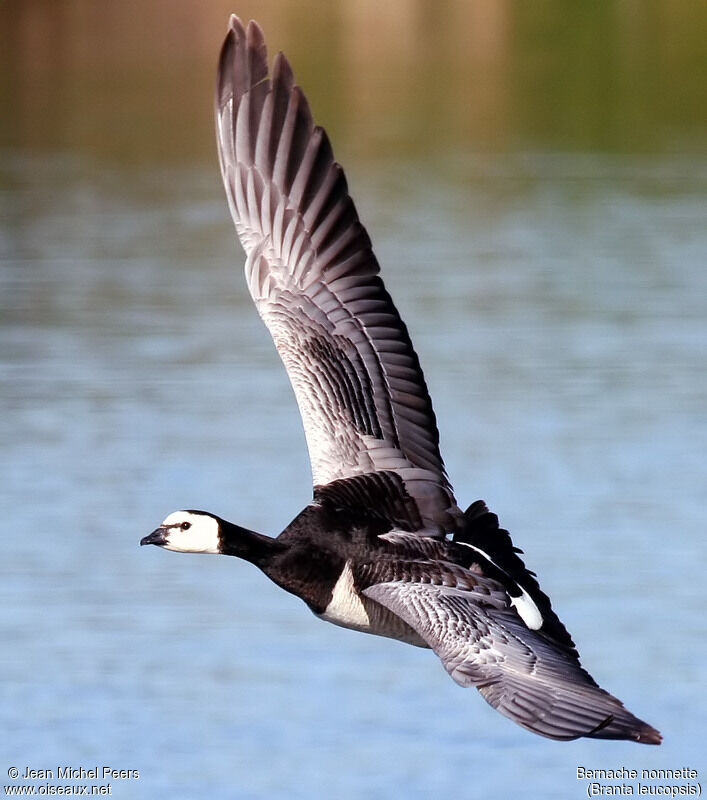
pixel 128 81
pixel 533 176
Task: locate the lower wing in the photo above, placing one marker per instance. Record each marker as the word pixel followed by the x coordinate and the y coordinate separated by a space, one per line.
pixel 518 671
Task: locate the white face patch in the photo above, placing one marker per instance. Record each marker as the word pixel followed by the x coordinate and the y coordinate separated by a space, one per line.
pixel 191 533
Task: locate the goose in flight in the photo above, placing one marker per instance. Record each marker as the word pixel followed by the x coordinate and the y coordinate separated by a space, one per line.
pixel 383 547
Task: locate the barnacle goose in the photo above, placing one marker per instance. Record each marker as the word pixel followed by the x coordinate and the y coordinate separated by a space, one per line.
pixel 383 546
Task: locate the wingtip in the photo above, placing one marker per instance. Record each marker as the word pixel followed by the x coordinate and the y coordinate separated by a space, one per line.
pixel 243 61
pixel 235 24
pixel 647 734
pixel 623 725
pixel 282 73
pixel 254 34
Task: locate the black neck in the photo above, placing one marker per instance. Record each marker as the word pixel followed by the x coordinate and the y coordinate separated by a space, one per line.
pixel 240 542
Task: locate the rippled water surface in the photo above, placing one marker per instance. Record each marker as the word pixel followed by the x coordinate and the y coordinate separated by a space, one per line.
pixel 556 298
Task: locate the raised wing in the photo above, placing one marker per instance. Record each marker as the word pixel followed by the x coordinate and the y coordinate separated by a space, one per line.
pixel 314 279
pixel 482 642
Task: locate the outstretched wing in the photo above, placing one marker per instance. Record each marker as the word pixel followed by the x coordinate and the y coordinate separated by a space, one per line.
pixel 482 642
pixel 314 279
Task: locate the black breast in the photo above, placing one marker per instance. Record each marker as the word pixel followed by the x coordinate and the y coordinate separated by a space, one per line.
pixel 314 549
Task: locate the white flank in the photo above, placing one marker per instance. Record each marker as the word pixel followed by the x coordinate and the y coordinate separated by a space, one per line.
pixel 345 607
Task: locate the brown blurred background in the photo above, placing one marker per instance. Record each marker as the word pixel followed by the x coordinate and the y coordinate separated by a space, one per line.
pixel 132 79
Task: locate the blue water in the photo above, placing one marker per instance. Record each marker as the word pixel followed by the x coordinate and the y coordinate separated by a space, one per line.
pixel 558 306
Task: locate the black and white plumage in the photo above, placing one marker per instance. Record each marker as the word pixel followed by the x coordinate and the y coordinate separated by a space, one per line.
pixel 383 546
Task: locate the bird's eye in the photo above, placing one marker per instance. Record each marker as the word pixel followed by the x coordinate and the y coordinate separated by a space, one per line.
pixel 185 526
